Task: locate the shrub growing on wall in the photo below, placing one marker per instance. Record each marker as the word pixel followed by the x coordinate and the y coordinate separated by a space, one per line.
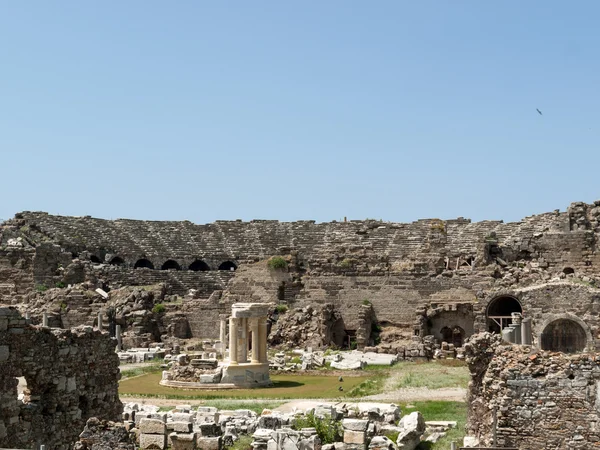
pixel 277 263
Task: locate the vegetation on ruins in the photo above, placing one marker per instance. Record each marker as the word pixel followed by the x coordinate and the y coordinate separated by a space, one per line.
pixel 328 429
pixel 244 442
pixel 281 309
pixel 438 225
pixel 277 263
pixel 347 263
pixel 41 288
pixel 159 308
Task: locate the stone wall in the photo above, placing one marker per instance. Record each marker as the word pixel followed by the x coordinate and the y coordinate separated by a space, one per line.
pixel 399 268
pixel 71 375
pixel 537 399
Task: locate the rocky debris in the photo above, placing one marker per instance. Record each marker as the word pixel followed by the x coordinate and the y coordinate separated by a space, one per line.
pixel 105 435
pixel 298 327
pixel 210 428
pixel 412 428
pixel 356 360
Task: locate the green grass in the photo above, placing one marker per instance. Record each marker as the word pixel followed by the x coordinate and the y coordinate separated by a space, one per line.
pixel 433 375
pixel 285 387
pixel 441 410
pixel 243 443
pixel 154 367
pixel 373 385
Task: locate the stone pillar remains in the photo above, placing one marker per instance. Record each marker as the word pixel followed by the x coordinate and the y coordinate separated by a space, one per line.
pixel 239 371
pixel 45 320
pixel 516 324
pixel 233 341
pixel 256 347
pixel 243 340
pixel 262 341
pixel 119 339
pixel 526 331
pixel 222 332
pixel 100 320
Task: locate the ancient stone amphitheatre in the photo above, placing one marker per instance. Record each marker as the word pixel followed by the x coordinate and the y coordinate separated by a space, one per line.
pixel 351 334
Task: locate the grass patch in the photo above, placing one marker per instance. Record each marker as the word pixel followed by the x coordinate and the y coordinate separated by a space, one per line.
pixel 154 367
pixel 285 387
pixel 441 410
pixel 433 375
pixel 373 385
pixel 243 443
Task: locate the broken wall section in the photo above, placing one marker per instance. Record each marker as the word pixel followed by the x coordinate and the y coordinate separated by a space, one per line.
pixel 532 399
pixel 71 375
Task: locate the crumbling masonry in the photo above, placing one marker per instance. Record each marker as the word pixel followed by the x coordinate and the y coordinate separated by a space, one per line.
pixel 449 279
pixel 70 375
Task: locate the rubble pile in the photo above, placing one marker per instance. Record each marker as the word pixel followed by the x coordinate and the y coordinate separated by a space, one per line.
pixel 358 427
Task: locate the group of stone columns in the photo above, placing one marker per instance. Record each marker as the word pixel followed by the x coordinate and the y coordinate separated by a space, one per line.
pixel 239 330
pixel 519 331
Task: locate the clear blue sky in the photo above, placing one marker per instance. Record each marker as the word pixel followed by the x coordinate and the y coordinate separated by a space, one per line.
pixel 394 110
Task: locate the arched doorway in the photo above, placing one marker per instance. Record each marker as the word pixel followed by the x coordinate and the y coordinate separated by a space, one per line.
pixel 199 266
pixel 227 265
pixel 95 259
pixel 563 335
pixel 499 312
pixel 117 261
pixel 143 264
pixel 171 265
pixel 454 335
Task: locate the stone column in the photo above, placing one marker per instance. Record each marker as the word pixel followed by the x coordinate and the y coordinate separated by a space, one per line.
pixel 262 327
pixel 244 340
pixel 526 331
pixel 222 333
pixel 119 339
pixel 45 320
pixel 100 320
pixel 233 341
pixel 256 347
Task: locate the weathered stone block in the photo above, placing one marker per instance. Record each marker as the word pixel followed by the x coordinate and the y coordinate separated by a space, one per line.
pixel 355 424
pixel 183 417
pixel 152 426
pixel 183 441
pixel 4 352
pixel 153 441
pixel 182 427
pixel 355 437
pixel 209 443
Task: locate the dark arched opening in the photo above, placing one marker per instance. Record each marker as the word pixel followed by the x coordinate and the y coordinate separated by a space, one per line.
pixel 199 266
pixel 143 264
pixel 499 312
pixel 563 335
pixel 95 259
pixel 117 261
pixel 171 265
pixel 454 335
pixel 227 265
pixel 568 271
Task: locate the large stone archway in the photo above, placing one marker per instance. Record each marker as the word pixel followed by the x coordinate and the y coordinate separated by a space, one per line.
pixel 565 333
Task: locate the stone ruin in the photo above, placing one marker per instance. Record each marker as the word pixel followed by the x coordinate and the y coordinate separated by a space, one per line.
pixel 248 364
pixel 359 426
pixel 387 285
pixel 69 376
pixel 527 398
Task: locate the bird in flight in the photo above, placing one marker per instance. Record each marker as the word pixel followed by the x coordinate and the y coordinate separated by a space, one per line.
pixel 539 112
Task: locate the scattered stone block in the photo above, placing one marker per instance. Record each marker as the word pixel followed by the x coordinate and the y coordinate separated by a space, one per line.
pixel 153 441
